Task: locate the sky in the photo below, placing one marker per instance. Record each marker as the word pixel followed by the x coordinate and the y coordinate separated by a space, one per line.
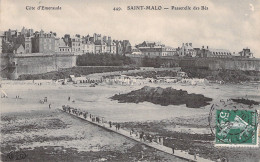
pixel 227 24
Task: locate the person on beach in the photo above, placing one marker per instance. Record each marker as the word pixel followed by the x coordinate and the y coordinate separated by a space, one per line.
pixel 144 137
pixel 195 156
pixel 110 124
pixel 131 132
pixel 49 106
pixel 173 147
pixel 141 135
pixel 150 138
pixel 69 98
pixel 118 126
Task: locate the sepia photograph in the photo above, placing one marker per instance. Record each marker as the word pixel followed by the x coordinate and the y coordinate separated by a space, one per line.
pixel 129 80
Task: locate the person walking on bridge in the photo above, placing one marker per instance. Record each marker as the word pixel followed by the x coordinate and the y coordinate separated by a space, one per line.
pixel 173 147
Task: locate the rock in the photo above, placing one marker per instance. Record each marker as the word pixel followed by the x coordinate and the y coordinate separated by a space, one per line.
pixel 164 97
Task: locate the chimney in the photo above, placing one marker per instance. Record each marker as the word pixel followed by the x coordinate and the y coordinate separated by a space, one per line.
pixel 207 47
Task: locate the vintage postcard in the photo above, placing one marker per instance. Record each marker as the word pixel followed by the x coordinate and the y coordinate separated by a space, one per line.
pixel 130 80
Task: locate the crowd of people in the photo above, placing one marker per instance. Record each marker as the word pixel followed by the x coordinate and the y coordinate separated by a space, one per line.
pixel 143 137
pixel 85 114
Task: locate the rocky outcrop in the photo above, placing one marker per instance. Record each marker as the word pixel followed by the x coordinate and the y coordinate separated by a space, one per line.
pixel 164 97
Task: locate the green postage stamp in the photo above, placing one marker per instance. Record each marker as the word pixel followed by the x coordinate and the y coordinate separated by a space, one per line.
pixel 236 128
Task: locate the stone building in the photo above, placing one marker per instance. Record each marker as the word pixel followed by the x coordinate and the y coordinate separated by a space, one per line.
pixel 43 42
pixel 119 48
pixel 246 53
pixel 100 47
pixel 28 44
pixel 97 37
pixel 10 35
pixel 88 47
pixel 127 48
pixel 76 45
pixel 111 46
pixel 211 52
pixel 187 50
pixel 62 47
pixel 27 32
pixel 152 49
pixel 169 51
pixel 67 40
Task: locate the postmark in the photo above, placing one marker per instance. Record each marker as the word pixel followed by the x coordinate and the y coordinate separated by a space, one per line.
pixel 236 128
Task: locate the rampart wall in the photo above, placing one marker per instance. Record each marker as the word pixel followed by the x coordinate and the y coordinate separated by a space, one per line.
pixel 215 63
pixel 38 63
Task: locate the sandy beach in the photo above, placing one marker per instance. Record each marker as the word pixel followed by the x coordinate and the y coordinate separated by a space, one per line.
pixel 52 135
pixel 28 125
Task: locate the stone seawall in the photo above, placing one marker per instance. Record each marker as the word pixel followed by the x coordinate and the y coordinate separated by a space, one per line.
pixel 38 63
pixel 249 64
pixel 217 63
pixel 208 63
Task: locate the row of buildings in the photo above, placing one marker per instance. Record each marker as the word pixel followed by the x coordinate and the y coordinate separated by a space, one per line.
pixel 154 49
pixel 27 41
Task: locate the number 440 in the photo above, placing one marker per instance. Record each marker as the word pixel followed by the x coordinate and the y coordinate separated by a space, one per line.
pixel 117 8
